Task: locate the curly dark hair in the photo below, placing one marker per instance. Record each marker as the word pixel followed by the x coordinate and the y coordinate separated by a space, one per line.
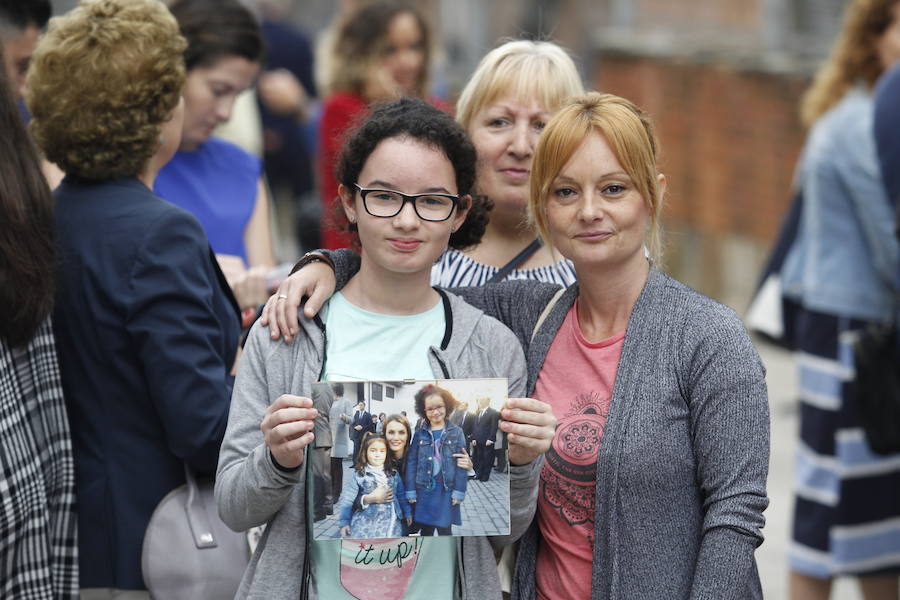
pixel 103 79
pixel 216 29
pixel 418 120
pixel 431 390
pixel 360 459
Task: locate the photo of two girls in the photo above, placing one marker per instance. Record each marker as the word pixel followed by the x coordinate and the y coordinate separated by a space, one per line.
pixel 398 459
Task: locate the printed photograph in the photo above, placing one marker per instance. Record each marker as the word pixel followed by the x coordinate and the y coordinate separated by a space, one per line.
pixel 409 458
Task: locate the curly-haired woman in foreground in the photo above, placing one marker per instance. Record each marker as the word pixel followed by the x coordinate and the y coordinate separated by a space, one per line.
pixel 146 328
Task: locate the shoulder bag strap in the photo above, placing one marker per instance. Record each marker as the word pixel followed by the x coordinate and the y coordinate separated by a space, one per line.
pixel 517 260
pixel 198 518
pixel 546 311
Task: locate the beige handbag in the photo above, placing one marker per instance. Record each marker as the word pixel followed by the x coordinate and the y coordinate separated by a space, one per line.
pixel 188 552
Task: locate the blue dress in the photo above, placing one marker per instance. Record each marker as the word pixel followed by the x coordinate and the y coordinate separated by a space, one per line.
pixel 216 183
pixel 434 483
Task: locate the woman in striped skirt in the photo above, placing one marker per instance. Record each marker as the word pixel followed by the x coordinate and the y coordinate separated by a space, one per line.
pixel 836 278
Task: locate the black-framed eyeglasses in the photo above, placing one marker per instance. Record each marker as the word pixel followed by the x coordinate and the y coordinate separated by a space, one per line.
pixel 388 203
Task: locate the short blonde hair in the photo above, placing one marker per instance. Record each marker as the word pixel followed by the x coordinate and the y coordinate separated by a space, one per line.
pixel 524 69
pixel 102 81
pixel 629 133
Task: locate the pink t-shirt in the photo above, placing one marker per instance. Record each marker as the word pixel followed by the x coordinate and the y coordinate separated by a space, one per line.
pixel 577 381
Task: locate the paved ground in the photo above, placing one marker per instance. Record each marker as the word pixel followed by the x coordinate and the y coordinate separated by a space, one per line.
pixel 772 555
pixel 485 510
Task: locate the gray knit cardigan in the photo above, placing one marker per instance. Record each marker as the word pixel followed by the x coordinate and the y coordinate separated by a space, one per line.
pixel 681 473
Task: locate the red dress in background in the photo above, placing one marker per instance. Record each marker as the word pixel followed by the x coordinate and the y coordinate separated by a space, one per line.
pixel 339 112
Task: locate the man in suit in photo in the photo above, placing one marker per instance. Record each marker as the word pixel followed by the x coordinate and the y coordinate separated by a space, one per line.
pixel 484 434
pixel 462 419
pixel 362 423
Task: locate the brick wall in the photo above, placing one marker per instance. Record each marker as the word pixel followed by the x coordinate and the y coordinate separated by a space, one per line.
pixel 695 15
pixel 730 140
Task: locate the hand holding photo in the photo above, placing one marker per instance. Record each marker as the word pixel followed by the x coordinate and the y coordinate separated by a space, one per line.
pixel 442 472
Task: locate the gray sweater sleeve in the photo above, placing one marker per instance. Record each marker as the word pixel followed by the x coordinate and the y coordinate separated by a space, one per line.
pixel 728 401
pixel 249 488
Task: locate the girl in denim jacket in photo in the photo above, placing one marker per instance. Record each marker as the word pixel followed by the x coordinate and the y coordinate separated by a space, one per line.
pixel 375 468
pixel 435 484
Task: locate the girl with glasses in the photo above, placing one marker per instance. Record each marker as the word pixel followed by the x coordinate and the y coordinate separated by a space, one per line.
pixel 387 323
pixel 435 484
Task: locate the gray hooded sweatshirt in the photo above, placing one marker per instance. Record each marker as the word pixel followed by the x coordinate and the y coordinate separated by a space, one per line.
pixel 251 490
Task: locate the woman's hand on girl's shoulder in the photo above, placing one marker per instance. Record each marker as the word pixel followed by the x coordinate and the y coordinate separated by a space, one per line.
pixel 314 281
pixel 529 425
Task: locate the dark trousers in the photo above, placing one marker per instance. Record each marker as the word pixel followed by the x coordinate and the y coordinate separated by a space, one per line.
pixel 355 451
pixel 483 461
pixel 428 530
pixel 502 461
pixel 321 471
pixel 337 479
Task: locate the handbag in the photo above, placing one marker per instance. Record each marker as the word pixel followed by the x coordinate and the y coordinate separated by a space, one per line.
pixel 188 552
pixel 771 314
pixel 877 361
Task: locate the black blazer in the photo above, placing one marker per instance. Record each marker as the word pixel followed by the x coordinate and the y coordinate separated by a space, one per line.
pixel 465 421
pixel 147 331
pixel 486 426
pixel 365 420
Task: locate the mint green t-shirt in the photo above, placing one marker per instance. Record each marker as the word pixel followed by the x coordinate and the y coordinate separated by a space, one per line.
pixel 369 346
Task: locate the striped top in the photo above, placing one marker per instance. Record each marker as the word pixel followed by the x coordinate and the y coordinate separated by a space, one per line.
pixel 455 269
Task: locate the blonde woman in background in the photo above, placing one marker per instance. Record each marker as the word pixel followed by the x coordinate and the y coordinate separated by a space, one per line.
pixel 512 94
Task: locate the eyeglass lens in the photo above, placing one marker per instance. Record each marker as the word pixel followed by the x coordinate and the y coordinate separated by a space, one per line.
pixel 387 203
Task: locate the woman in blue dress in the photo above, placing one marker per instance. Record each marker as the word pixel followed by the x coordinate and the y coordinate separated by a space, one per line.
pixel 213 179
pixel 435 484
pixel 375 469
